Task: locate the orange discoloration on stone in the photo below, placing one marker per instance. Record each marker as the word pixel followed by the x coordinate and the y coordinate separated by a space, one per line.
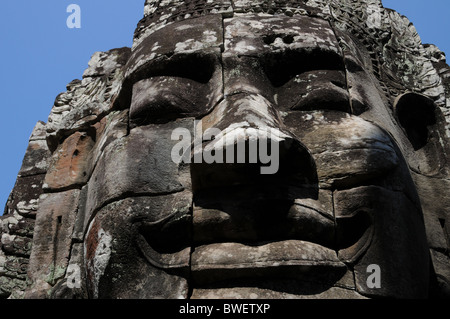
pixel 70 163
pixel 92 241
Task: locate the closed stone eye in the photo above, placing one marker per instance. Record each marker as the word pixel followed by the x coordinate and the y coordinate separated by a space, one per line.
pixel 281 67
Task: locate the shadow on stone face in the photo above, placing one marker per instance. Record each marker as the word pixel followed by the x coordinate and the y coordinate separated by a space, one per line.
pixel 249 205
pixel 416 113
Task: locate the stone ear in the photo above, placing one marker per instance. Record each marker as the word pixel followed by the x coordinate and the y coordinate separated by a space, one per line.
pixel 415 113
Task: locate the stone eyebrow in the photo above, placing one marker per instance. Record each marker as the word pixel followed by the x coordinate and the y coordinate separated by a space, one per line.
pixel 283 65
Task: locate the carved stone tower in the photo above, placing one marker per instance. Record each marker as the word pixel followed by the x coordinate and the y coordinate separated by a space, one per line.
pixel 352 110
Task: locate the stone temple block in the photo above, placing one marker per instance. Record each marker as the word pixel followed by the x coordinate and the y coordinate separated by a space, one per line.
pixel 241 149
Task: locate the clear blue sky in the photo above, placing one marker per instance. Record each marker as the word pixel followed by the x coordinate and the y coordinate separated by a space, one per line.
pixel 39 55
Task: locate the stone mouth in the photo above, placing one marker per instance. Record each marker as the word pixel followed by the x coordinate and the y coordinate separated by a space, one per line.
pixel 260 217
pixel 243 233
pixel 256 232
pixel 293 259
pixel 248 214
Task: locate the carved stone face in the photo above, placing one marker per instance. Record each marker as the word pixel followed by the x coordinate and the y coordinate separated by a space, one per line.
pixel 340 198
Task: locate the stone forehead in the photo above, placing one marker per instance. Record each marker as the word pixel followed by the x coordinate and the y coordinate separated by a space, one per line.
pixel 251 34
pixel 157 14
pixel 255 34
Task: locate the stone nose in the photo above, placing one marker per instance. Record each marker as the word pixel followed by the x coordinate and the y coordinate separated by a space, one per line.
pixel 244 142
pixel 244 108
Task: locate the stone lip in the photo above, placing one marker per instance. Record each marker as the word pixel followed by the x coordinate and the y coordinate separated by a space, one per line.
pixel 282 259
pixel 255 214
pixel 260 219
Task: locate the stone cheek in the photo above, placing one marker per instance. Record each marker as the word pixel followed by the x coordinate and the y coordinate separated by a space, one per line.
pixel 397 231
pixel 347 149
pixel 98 253
pixel 138 164
pixel 135 236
